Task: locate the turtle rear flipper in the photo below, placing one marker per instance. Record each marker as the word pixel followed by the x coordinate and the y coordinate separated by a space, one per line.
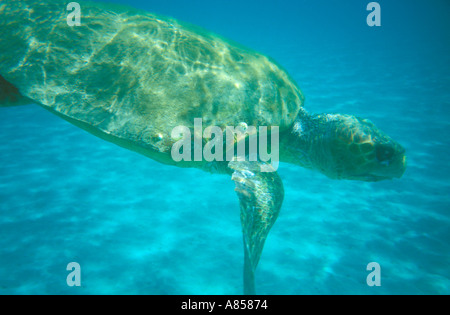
pixel 10 95
pixel 260 195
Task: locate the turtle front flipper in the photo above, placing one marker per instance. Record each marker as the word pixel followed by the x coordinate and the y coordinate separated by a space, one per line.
pixel 260 191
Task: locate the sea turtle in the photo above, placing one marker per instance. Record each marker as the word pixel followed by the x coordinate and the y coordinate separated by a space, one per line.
pixel 131 77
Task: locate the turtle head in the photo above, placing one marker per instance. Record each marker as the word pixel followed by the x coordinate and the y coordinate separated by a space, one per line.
pixel 358 150
pixel 343 147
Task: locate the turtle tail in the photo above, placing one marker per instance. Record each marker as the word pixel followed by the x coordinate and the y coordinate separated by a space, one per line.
pixel 10 95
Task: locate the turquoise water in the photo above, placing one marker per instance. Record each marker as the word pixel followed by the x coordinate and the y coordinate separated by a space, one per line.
pixel 139 227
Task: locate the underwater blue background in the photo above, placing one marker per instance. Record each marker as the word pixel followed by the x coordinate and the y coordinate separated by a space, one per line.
pixel 139 227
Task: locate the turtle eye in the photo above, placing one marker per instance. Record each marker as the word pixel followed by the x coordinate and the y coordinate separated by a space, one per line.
pixel 384 153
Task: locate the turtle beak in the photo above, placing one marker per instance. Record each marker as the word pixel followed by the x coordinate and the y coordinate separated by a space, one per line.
pixel 392 158
pixel 390 163
pixel 402 164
